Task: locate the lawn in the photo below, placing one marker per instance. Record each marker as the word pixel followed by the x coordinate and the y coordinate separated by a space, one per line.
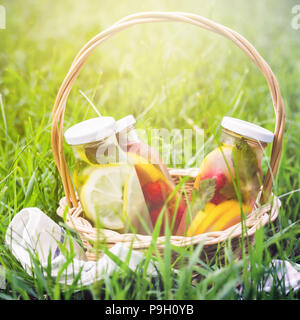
pixel 169 75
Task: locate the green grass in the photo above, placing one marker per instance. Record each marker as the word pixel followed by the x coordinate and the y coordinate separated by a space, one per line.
pixel 164 73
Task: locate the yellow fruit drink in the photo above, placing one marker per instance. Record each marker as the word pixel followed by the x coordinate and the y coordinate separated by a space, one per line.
pixel 217 217
pixel 234 170
pixel 236 164
pixel 156 183
pixel 106 182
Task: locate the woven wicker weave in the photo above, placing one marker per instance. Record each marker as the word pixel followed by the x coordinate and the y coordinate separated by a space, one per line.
pixel 75 216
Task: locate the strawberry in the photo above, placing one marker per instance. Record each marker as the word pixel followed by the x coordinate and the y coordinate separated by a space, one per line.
pixel 217 198
pixel 179 212
pixel 220 183
pixel 218 175
pixel 154 214
pixel 156 193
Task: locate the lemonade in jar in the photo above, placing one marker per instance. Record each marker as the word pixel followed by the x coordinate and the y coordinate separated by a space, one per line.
pixel 106 182
pixel 156 183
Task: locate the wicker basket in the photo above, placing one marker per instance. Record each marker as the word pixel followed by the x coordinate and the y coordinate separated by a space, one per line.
pixel 260 216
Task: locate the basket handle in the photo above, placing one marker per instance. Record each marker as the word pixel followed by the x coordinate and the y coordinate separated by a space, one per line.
pixel 146 17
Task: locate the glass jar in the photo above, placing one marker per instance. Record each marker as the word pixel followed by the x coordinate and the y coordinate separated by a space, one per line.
pixel 105 181
pixel 155 180
pixel 236 163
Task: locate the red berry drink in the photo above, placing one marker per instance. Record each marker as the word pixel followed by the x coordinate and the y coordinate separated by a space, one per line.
pixel 154 178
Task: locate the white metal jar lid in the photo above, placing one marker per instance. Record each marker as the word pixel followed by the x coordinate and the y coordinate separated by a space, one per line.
pixel 124 123
pixel 91 130
pixel 247 129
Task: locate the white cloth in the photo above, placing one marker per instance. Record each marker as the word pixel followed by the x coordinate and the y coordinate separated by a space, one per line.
pixel 286 273
pixel 2 278
pixel 31 232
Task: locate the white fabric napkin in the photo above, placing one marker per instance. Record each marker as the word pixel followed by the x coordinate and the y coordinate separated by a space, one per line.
pixel 32 231
pixel 2 278
pixel 286 273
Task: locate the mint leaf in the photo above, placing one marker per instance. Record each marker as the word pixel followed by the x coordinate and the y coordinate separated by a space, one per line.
pixel 245 160
pixel 203 194
pixel 246 170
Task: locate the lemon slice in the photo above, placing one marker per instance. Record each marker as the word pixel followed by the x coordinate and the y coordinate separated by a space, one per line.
pixel 146 171
pixel 102 196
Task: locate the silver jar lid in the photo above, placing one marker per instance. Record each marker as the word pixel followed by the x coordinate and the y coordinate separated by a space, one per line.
pixel 247 129
pixel 91 130
pixel 125 123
